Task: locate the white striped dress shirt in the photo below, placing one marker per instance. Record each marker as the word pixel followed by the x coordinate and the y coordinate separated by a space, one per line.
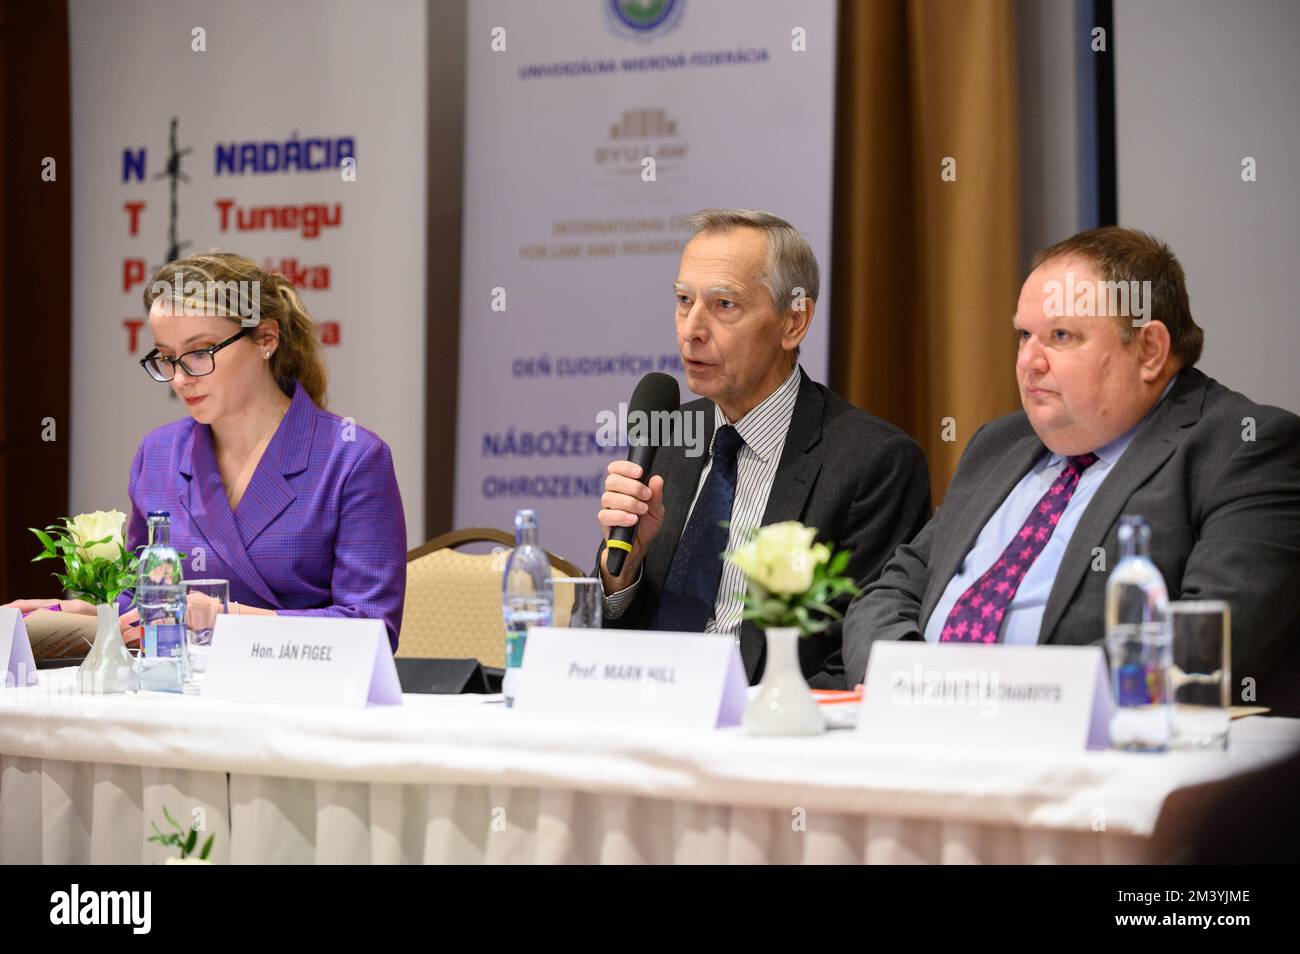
pixel 763 430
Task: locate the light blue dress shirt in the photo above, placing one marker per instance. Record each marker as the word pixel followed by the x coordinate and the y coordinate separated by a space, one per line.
pixel 1025 614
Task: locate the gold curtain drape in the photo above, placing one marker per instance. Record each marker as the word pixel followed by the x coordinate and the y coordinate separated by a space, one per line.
pixel 926 271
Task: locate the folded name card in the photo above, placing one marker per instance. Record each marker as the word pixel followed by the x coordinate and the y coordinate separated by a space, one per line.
pixel 684 680
pixel 1045 697
pixel 16 650
pixel 301 660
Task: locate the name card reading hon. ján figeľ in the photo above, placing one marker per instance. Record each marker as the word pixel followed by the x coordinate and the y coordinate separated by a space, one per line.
pixel 684 680
pixel 1046 697
pixel 301 660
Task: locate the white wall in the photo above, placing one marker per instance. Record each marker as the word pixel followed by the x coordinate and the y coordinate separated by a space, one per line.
pixel 1050 53
pixel 1200 84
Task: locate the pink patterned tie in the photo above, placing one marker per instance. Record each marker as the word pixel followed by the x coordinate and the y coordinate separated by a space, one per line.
pixel 977 616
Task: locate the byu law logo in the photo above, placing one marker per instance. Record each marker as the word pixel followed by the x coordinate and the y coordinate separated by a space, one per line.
pixel 102 907
pixel 643 19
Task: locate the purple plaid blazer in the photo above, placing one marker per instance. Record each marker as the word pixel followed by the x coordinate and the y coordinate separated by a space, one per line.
pixel 320 530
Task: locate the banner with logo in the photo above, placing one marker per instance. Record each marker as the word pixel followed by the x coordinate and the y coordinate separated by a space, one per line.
pixel 593 129
pixel 290 132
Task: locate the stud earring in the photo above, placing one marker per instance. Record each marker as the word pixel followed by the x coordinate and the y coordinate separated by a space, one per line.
pixel 268 356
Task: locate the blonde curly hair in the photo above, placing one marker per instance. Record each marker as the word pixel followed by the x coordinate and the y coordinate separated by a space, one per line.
pixel 298 356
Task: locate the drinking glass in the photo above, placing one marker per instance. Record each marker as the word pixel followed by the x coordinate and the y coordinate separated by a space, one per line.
pixel 576 602
pixel 205 600
pixel 1201 675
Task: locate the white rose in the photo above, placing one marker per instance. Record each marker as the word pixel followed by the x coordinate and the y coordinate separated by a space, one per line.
pixel 791 573
pixel 745 556
pixel 85 527
pixel 781 557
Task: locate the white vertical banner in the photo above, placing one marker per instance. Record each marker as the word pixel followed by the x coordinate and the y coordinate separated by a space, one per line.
pixel 230 126
pixel 593 129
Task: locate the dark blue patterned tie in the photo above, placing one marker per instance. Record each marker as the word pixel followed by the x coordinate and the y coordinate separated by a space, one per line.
pixel 691 587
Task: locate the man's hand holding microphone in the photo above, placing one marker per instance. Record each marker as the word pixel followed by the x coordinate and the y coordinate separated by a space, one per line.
pixel 632 508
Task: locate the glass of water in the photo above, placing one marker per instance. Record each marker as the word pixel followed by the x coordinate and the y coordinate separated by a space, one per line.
pixel 576 602
pixel 1201 674
pixel 205 600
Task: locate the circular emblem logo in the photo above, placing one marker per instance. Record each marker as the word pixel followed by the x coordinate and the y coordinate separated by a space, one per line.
pixel 643 19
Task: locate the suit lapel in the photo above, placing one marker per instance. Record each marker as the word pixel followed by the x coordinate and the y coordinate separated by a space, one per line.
pixel 210 510
pixel 797 472
pixel 1151 447
pixel 266 497
pixel 984 503
pixel 268 492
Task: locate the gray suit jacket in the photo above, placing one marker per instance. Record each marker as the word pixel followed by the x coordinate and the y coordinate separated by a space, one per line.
pixel 861 482
pixel 1224 511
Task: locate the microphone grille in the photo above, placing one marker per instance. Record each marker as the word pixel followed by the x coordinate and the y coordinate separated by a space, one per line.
pixel 656 392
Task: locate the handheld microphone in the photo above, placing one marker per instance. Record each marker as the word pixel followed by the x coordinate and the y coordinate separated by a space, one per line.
pixel 655 392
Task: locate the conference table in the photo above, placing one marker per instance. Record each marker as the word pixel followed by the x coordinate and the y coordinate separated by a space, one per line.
pixel 462 779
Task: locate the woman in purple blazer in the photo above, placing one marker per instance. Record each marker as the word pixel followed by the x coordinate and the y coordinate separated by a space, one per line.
pixel 296 507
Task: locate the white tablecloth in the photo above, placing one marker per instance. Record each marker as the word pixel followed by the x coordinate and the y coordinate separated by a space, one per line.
pixel 462 779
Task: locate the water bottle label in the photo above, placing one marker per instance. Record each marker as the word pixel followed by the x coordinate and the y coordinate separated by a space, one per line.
pixel 163 640
pixel 516 636
pixel 170 638
pixel 1134 686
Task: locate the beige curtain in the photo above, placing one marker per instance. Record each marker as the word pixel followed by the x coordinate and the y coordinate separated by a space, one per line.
pixel 926 271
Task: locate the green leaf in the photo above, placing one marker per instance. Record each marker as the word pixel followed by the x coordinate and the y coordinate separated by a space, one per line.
pixel 838 563
pixel 190 842
pixel 826 610
pixel 44 538
pixel 175 824
pixel 207 847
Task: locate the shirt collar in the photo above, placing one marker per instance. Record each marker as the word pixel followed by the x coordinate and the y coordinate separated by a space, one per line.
pixel 1110 453
pixel 763 429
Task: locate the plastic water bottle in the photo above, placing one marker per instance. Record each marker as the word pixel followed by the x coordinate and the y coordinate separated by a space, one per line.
pixel 160 598
pixel 1138 643
pixel 525 596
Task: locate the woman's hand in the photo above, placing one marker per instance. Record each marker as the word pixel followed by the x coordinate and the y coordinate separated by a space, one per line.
pixel 201 610
pixel 131 629
pixel 128 621
pixel 67 606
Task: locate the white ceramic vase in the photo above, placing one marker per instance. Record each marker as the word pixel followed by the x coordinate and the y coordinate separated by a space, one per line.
pixel 108 667
pixel 783 704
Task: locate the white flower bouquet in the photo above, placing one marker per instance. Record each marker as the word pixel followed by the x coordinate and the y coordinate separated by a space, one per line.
pixel 791 580
pixel 97 566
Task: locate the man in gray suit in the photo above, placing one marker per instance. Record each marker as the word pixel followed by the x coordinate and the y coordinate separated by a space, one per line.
pixel 1116 420
pixel 780 447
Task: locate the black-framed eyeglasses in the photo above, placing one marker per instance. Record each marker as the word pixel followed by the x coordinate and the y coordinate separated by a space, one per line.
pixel 194 363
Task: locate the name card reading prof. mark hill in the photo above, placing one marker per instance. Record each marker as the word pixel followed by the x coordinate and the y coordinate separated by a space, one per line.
pixel 686 680
pixel 301 660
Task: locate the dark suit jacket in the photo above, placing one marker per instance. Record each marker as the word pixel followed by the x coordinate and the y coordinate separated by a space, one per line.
pixel 1224 511
pixel 861 482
